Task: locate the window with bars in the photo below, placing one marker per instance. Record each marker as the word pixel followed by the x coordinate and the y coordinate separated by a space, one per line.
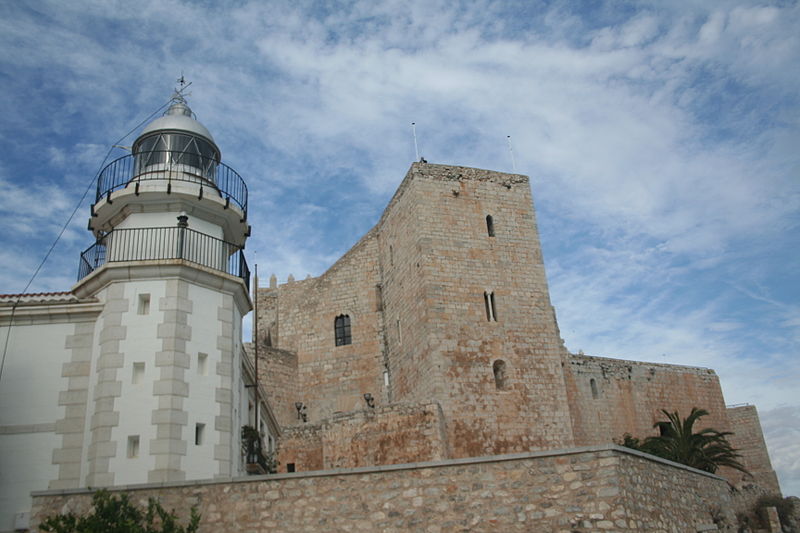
pixel 341 327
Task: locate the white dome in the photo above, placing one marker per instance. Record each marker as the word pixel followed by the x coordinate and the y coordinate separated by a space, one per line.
pixel 177 118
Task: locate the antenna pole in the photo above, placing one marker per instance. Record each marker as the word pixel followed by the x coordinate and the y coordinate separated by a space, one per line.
pixel 511 151
pixel 414 133
pixel 255 338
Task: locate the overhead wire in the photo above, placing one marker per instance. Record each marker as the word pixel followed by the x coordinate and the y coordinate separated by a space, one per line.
pixel 64 228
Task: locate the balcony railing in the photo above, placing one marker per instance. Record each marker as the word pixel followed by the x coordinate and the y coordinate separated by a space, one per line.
pixel 212 176
pixel 147 244
pixel 256 461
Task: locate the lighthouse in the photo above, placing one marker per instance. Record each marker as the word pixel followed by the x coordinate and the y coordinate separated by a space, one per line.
pixel 162 395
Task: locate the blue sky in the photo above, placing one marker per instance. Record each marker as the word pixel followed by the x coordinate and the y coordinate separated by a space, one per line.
pixel 661 139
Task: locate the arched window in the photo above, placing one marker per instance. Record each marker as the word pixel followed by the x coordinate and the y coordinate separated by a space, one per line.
pixel 499 369
pixel 490 225
pixel 593 385
pixel 341 327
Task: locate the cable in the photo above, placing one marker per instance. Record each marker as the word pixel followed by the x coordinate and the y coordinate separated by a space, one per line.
pixel 64 228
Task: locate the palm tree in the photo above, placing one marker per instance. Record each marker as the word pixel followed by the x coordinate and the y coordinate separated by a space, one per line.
pixel 706 450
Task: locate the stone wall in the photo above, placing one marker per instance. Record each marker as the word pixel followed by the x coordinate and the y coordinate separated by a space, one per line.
pixel 299 317
pixel 277 370
pixel 571 491
pixel 610 397
pixel 749 440
pixel 400 433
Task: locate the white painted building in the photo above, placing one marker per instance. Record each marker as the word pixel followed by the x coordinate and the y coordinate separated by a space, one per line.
pixel 137 374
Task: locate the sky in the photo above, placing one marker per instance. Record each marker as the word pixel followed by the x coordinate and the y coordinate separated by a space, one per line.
pixel 661 139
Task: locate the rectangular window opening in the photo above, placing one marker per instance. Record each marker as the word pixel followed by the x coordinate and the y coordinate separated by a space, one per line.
pixel 290 467
pixel 199 430
pixel 342 330
pixel 399 332
pixel 133 446
pixel 144 304
pixel 202 364
pixel 138 373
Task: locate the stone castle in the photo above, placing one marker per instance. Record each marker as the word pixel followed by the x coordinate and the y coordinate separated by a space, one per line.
pixel 434 338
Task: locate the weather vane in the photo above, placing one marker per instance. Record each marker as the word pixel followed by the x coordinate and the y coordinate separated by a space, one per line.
pixel 180 95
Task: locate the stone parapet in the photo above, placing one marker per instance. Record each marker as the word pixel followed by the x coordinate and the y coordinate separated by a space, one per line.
pixel 577 490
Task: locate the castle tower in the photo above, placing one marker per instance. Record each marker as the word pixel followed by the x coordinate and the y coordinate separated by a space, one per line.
pixel 467 310
pixel 155 394
pixel 433 337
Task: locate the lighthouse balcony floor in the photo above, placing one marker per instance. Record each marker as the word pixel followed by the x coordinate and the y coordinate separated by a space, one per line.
pixel 149 244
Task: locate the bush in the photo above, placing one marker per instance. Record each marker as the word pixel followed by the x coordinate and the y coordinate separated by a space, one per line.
pixel 112 514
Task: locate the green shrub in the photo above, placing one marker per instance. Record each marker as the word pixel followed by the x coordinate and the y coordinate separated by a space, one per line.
pixel 116 514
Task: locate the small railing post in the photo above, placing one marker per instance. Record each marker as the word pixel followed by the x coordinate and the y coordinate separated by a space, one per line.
pixel 183 223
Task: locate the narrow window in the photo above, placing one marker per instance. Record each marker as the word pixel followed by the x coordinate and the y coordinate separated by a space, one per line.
pixel 399 333
pixel 391 255
pixel 199 430
pixel 490 225
pixel 144 304
pixel 341 328
pixel 386 378
pixel 138 373
pixel 499 369
pixel 133 446
pixel 290 467
pixel 202 364
pixel 593 385
pixel 491 310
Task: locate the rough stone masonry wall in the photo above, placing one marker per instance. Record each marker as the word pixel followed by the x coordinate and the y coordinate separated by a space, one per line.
pixel 460 262
pixel 400 433
pixel 749 440
pixel 277 370
pixel 629 395
pixel 403 250
pixel 330 378
pixel 574 491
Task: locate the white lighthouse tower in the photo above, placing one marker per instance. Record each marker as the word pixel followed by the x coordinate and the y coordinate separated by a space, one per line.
pixel 161 399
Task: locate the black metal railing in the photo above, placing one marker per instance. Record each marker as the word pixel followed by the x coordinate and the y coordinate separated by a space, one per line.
pixel 254 455
pixel 256 461
pixel 213 176
pixel 147 244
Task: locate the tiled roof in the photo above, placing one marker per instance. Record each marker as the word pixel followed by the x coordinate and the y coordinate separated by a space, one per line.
pixel 38 297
